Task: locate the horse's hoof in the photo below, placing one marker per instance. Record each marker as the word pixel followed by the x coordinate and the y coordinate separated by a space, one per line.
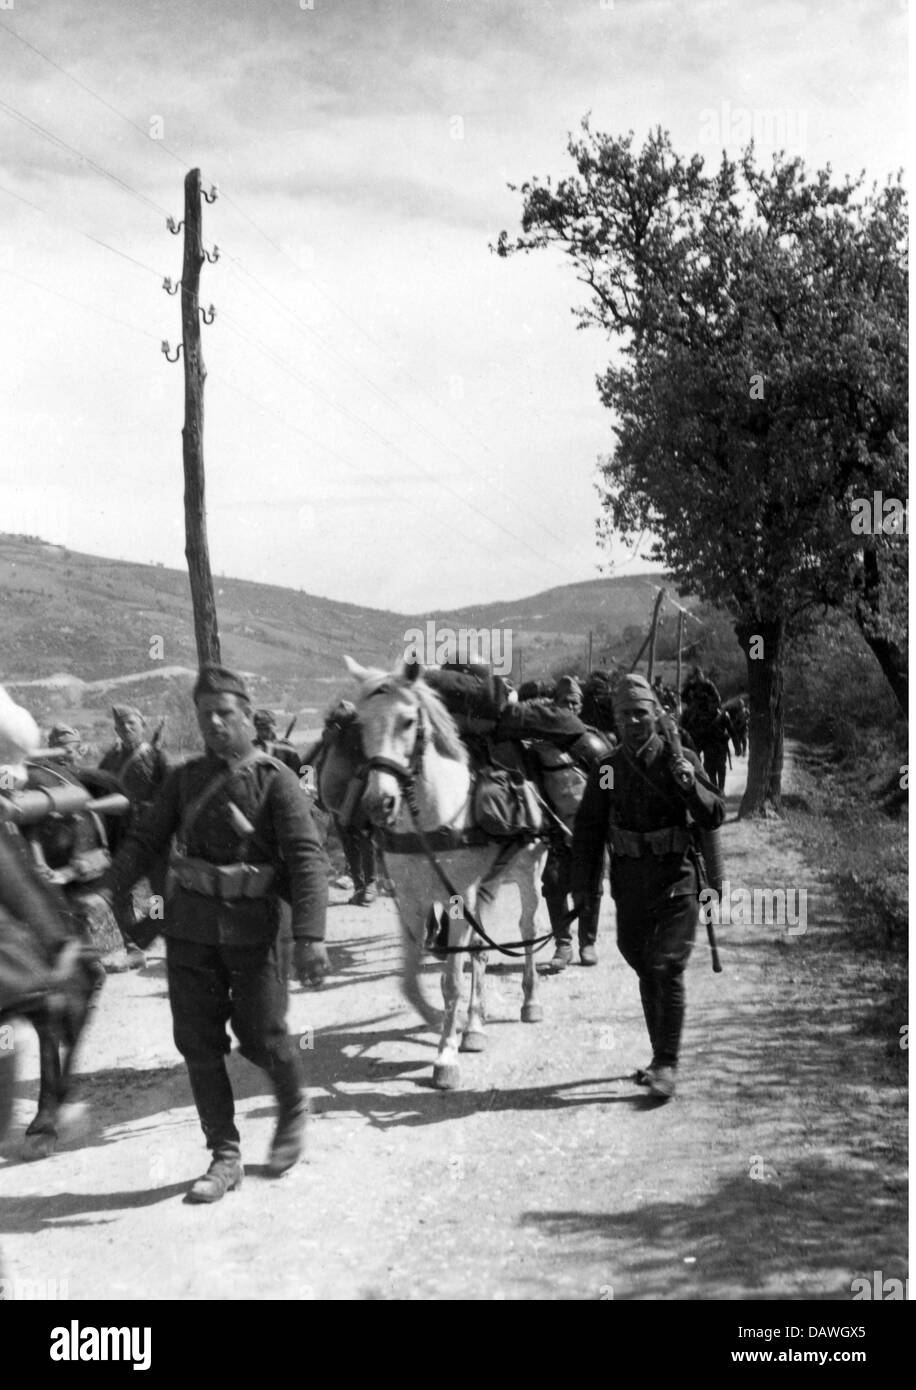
pixel 532 1013
pixel 474 1041
pixel 446 1076
pixel 38 1146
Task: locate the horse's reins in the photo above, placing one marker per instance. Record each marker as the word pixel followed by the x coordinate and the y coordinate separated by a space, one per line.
pixel 407 779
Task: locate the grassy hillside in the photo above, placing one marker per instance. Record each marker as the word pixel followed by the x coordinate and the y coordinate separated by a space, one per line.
pixel 86 628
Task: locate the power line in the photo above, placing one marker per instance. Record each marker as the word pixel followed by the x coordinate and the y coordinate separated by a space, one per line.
pixel 90 308
pixel 334 453
pixel 56 140
pixel 383 439
pixel 79 231
pixel 294 319
pixel 179 159
pixel 145 133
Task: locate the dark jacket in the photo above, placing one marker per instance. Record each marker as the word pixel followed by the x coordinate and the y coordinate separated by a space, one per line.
pixel 285 837
pixel 640 796
pixel 140 771
pixel 281 750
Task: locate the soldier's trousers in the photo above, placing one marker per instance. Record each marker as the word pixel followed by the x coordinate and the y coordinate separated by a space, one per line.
pixel 210 986
pixel 555 886
pixel 657 945
pixel 359 849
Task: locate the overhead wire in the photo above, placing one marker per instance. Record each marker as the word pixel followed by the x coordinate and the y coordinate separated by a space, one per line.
pixel 93 164
pixel 178 158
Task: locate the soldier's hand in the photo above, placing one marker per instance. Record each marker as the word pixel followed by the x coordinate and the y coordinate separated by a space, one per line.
pixel 683 772
pixel 310 961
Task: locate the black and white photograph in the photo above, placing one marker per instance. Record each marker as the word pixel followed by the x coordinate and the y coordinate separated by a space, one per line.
pixel 454 662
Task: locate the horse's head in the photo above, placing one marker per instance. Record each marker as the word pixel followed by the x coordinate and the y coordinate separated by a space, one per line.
pixel 400 717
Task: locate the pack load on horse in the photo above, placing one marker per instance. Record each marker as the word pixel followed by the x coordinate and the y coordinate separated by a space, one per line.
pixel 425 793
pixel 49 971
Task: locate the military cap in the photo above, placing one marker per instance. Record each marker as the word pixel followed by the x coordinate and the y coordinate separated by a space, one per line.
pixel 217 680
pixel 126 712
pixel 264 716
pixel 61 734
pixel 635 692
pixel 567 686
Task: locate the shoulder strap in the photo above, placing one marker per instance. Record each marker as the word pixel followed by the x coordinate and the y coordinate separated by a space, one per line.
pixel 132 757
pixel 222 780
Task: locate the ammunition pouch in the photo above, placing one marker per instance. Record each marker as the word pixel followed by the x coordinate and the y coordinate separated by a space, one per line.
pixel 636 844
pixel 226 882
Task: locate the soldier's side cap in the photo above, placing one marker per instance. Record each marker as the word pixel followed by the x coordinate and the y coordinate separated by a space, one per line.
pixel 264 716
pixel 62 733
pixel 217 680
pixel 126 712
pixel 635 692
pixel 566 686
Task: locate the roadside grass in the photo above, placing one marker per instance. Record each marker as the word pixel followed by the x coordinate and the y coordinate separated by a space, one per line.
pixel 849 815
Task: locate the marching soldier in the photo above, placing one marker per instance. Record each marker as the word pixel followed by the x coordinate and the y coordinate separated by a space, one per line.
pixel 640 802
pixel 265 727
pixel 245 836
pixel 140 767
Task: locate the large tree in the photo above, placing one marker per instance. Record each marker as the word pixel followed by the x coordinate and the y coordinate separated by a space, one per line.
pixel 758 387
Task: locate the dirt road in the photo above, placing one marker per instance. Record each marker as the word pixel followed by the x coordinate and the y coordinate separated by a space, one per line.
pixel 778 1172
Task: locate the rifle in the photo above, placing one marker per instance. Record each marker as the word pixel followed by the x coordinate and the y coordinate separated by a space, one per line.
pixel 156 740
pixel 674 738
pixel 290 726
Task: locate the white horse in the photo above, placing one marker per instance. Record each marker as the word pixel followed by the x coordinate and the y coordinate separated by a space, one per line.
pixel 414 753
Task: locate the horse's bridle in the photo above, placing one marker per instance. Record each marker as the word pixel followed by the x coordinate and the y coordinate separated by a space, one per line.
pixel 406 776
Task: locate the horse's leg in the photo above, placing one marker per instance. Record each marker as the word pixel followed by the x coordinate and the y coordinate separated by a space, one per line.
pixel 532 1009
pixel 475 1033
pixel 41 1135
pixel 446 1071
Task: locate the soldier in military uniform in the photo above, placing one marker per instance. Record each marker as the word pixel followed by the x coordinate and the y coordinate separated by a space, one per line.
pixel 140 766
pixel 640 803
pixel 265 727
pixel 245 835
pixel 65 737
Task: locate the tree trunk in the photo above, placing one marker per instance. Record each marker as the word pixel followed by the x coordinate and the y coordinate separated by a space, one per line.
pixel 763 643
pixel 873 624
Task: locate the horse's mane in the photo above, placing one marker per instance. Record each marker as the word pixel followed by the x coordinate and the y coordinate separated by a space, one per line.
pixel 445 735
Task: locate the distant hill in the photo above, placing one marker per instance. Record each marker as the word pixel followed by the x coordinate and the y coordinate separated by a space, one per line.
pixel 82 631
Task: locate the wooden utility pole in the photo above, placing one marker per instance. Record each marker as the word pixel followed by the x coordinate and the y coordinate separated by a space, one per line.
pixel 680 644
pixel 206 629
pixel 650 672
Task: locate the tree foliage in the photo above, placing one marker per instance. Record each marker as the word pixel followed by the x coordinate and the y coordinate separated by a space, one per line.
pixel 758 383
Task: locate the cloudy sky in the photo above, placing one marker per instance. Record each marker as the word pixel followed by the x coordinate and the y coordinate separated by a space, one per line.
pixel 393 415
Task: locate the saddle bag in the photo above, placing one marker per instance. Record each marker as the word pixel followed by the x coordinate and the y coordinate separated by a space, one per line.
pixel 506 806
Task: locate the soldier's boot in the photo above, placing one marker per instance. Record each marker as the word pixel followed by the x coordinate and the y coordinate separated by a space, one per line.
pixel 224 1175
pixel 557 909
pixel 293 1106
pixel 651 1007
pixel 588 934
pixel 662 1082
pixel 212 1093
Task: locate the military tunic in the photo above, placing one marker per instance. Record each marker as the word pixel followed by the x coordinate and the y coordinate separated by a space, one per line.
pixel 223 959
pixel 634 806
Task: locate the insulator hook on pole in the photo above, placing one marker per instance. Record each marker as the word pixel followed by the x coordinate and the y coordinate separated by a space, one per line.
pixel 208 314
pixel 212 196
pixel 169 287
pixel 166 349
pixel 173 226
pixel 212 257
